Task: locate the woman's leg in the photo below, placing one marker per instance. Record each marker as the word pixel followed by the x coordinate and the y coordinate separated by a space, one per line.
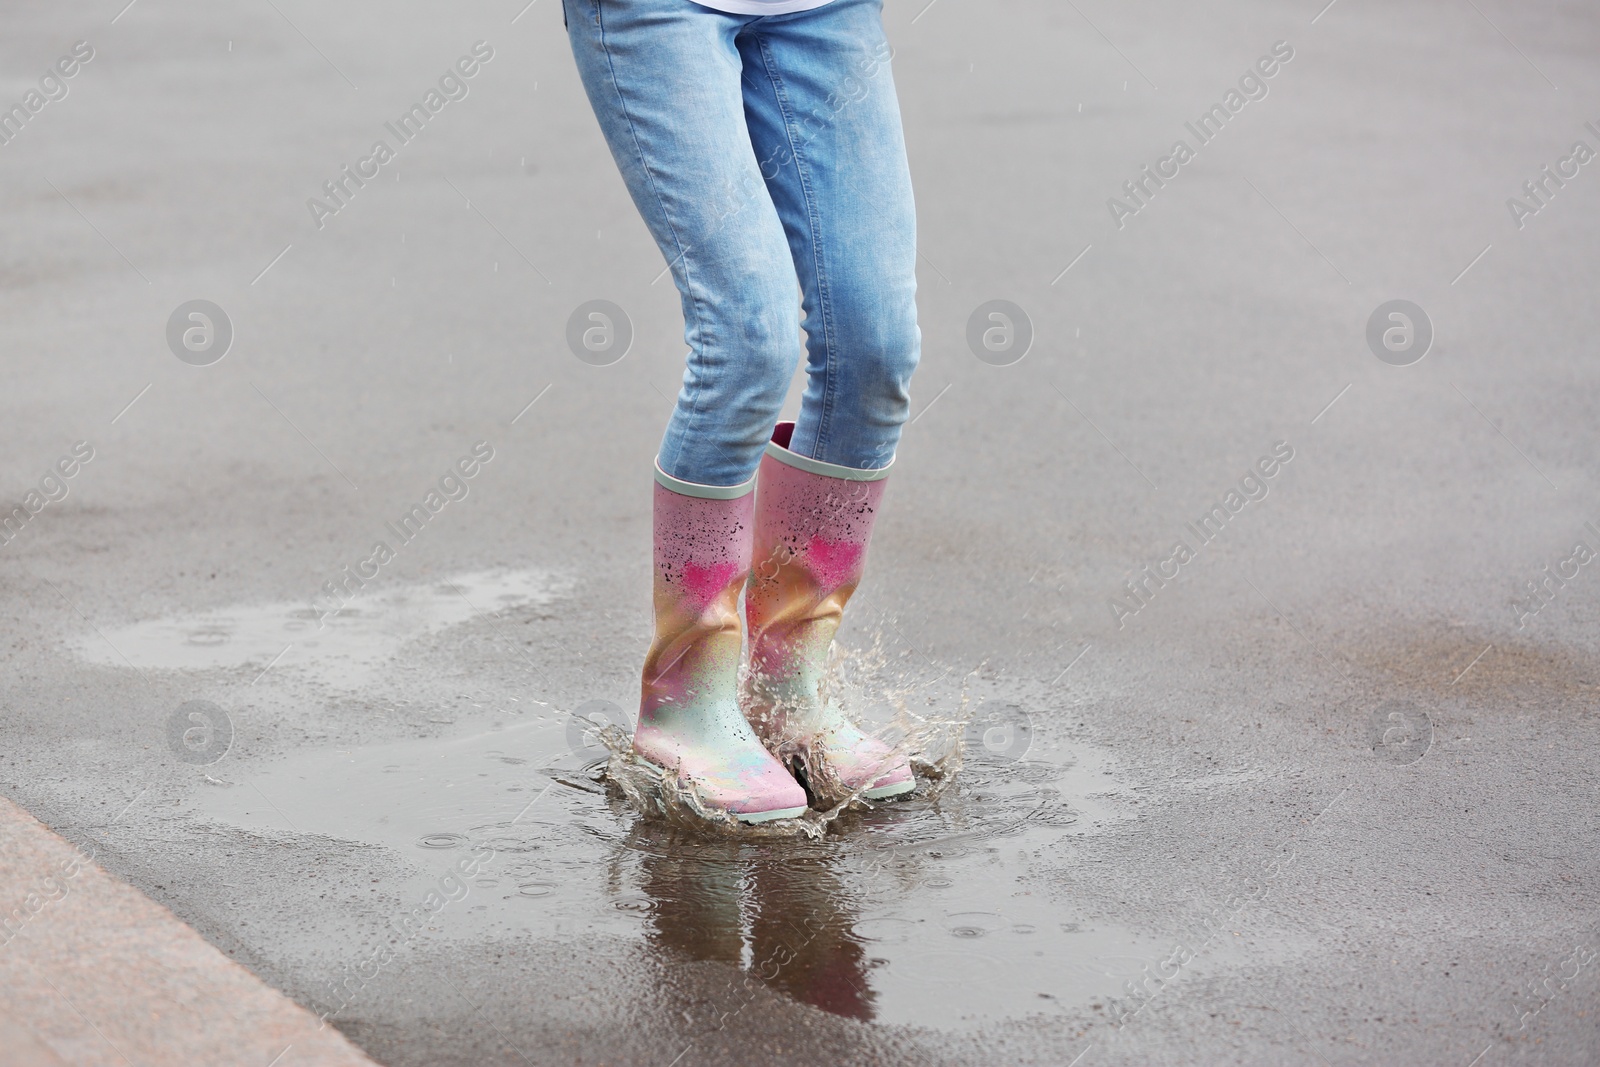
pixel 825 120
pixel 664 79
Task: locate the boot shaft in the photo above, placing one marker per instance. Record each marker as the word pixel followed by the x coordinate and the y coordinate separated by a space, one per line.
pixel 813 524
pixel 701 561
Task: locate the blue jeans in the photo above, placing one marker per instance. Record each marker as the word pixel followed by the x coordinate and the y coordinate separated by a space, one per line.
pixel 762 149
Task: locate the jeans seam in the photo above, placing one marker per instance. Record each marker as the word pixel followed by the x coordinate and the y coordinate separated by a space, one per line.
pixel 824 304
pixel 677 242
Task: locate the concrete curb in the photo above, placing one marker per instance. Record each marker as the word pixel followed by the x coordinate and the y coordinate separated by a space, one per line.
pixel 94 972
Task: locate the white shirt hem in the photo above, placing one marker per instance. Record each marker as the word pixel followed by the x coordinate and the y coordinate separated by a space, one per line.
pixel 761 7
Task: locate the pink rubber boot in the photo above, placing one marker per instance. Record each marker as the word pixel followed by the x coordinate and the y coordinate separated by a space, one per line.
pixel 813 521
pixel 689 717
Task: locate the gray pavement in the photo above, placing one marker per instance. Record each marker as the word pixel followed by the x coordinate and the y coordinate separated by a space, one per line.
pixel 1320 788
pixel 94 972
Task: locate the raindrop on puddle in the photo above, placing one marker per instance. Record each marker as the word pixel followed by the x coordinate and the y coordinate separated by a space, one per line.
pixel 442 840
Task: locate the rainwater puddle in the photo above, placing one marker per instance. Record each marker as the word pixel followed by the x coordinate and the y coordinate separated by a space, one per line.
pixel 920 912
pixel 344 651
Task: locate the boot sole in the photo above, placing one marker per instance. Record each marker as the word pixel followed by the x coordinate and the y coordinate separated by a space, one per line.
pixel 742 816
pixel 883 792
pixel 887 791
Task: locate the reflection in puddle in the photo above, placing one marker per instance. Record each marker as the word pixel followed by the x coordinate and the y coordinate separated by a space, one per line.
pixel 345 651
pixel 919 912
pixel 899 919
pixel 777 912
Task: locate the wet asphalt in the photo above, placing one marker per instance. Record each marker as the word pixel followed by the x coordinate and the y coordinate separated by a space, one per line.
pixel 1318 788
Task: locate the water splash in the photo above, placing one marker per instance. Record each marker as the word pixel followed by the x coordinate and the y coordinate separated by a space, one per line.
pixel 862 683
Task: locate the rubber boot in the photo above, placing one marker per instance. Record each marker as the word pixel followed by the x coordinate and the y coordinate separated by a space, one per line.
pixel 813 521
pixel 689 716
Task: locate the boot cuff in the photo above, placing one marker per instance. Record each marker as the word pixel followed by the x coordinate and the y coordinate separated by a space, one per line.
pixel 704 492
pixel 778 449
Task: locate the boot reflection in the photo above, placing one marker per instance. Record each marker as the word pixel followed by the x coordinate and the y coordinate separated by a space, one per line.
pixel 775 911
pixel 803 935
pixel 697 887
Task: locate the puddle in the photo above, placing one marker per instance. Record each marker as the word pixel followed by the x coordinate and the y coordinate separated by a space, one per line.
pixel 344 652
pixel 919 912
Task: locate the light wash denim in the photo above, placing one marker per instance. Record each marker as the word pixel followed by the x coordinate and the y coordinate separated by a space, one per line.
pixel 762 149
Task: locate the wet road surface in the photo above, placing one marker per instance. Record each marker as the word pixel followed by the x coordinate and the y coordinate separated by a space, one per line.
pixel 1321 788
